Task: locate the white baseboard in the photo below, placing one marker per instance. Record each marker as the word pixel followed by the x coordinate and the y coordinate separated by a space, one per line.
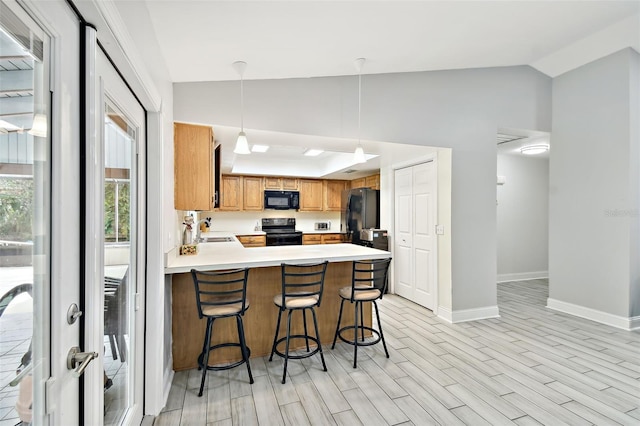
pixel 625 323
pixel 522 276
pixel 445 314
pixel 464 315
pixel 168 380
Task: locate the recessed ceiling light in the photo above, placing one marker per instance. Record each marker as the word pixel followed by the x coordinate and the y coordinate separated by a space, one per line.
pixel 259 148
pixel 534 149
pixel 313 152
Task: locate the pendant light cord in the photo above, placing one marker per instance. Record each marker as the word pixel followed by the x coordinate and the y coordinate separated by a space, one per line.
pixel 359 102
pixel 241 103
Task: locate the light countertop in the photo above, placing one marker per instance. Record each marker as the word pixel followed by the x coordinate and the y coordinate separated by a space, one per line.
pixel 228 255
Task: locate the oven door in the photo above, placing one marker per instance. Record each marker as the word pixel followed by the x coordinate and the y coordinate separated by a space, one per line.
pixel 292 239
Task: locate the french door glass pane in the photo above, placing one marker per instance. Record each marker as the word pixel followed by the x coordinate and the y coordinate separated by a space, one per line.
pixel 120 251
pixel 25 189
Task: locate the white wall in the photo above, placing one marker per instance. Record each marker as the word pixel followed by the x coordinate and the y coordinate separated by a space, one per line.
pixel 459 109
pixel 239 222
pixel 593 201
pixel 523 218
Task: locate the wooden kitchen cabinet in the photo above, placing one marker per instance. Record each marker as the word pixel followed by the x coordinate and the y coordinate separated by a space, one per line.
pixel 194 167
pixel 311 239
pixel 333 194
pixel 357 183
pixel 281 183
pixel 253 198
pixel 372 181
pixel 311 195
pixel 252 240
pixel 231 193
pixel 332 238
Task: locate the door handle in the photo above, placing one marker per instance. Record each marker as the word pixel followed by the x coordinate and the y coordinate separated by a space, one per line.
pixel 81 359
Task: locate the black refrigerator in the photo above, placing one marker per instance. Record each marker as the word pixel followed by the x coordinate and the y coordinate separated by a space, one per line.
pixel 360 210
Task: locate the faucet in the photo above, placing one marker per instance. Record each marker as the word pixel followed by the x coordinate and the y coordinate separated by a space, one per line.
pixel 207 221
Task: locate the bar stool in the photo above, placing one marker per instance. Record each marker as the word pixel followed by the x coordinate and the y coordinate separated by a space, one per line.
pixel 221 294
pixel 368 284
pixel 302 287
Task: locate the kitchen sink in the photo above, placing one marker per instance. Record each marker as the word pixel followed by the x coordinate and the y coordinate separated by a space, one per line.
pixel 218 239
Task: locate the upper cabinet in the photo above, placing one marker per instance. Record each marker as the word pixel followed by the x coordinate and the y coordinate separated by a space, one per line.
pixel 231 193
pixel 194 167
pixel 253 197
pixel 333 194
pixel 311 195
pixel 372 182
pixel 281 183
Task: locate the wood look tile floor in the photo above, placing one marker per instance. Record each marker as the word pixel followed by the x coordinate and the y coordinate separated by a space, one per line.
pixel 530 366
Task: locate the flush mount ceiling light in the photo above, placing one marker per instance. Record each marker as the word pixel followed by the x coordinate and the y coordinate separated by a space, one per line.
pixel 358 155
pixel 313 152
pixel 259 148
pixel 242 145
pixel 534 149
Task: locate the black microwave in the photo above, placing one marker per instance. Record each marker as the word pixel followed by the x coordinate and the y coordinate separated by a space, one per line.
pixel 282 200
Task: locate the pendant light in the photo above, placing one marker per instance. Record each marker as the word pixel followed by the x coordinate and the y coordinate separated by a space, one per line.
pixel 358 155
pixel 242 145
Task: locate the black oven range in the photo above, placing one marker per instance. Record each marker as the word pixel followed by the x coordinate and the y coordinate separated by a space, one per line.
pixel 281 231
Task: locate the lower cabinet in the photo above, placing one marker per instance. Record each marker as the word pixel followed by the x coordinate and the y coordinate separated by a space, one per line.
pixel 252 240
pixel 322 238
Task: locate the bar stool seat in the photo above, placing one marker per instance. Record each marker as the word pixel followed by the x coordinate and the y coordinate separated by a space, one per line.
pixel 221 294
pixel 302 287
pixel 368 284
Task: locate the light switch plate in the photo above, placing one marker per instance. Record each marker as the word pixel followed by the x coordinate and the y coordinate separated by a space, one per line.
pixel 440 229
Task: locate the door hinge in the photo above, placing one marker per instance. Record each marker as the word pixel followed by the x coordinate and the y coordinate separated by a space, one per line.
pixel 49 406
pixel 137 301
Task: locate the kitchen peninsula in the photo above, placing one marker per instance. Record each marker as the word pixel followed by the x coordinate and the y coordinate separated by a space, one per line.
pixel 264 283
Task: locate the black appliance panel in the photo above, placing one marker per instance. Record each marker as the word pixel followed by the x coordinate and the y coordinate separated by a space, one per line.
pixel 281 231
pixel 360 210
pixel 282 200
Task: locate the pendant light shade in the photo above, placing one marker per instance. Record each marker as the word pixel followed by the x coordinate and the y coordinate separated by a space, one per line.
pixel 358 155
pixel 39 126
pixel 242 145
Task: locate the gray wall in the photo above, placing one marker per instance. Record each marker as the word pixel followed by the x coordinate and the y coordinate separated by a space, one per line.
pixel 593 200
pixel 523 217
pixel 459 109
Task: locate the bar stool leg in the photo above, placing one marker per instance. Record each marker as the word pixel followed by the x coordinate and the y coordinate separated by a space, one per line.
pixel 286 351
pixel 315 323
pixel 384 344
pixel 355 335
pixel 362 320
pixel 335 336
pixel 306 333
pixel 275 338
pixel 243 346
pixel 205 355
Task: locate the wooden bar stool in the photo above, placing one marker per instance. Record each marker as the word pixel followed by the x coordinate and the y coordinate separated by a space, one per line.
pixel 302 287
pixel 221 294
pixel 368 284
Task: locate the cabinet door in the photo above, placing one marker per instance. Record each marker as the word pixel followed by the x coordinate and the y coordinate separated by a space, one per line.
pixel 253 194
pixel 193 167
pixel 271 182
pixel 372 181
pixel 311 195
pixel 252 240
pixel 333 194
pixel 231 196
pixel 331 238
pixel 290 184
pixel 311 239
pixel 358 183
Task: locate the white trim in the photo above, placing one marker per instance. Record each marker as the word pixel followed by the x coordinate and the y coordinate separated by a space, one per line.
pixel 166 386
pixel 445 314
pixel 617 321
pixel 475 314
pixel 522 276
pixel 115 38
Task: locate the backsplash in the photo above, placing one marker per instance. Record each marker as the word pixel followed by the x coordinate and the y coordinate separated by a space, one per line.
pixel 246 221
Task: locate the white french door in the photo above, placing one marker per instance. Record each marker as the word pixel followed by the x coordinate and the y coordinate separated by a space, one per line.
pixel 415 243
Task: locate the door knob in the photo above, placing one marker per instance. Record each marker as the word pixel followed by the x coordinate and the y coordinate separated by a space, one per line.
pixel 81 359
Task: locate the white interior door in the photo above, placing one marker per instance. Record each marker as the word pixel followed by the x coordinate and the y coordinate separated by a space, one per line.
pixel 415 243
